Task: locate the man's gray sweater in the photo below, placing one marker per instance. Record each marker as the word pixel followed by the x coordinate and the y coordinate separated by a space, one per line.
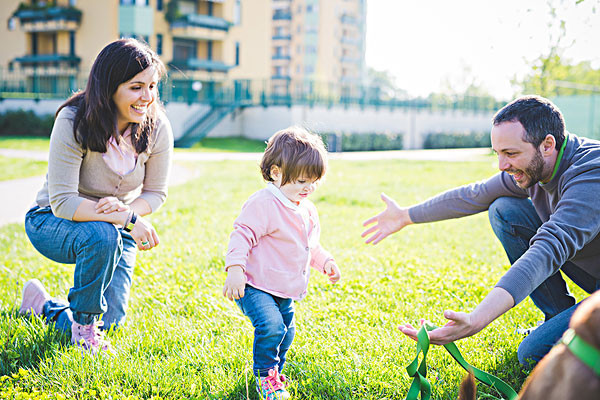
pixel 568 205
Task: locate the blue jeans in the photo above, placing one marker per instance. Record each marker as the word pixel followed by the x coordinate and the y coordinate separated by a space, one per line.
pixel 515 222
pixel 104 257
pixel 273 320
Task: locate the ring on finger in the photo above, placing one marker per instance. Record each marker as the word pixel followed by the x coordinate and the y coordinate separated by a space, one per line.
pixel 145 243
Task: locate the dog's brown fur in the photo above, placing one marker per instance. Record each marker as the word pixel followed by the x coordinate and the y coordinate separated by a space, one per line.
pixel 560 375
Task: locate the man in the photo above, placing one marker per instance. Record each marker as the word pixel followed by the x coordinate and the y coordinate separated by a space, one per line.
pixel 544 207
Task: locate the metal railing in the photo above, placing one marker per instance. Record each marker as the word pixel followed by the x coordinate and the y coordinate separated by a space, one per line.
pixel 58 84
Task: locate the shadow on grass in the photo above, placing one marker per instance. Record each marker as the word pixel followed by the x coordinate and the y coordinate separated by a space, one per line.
pixel 510 371
pixel 25 341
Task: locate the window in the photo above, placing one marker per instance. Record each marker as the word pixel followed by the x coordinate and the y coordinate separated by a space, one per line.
pixel 237 53
pixel 309 69
pixel 72 3
pixel 209 48
pixel 237 12
pixel 72 43
pixel 184 49
pixel 12 24
pixel 159 44
pixel 159 5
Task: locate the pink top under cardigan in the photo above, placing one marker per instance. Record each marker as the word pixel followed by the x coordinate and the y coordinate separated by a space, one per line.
pixel 276 241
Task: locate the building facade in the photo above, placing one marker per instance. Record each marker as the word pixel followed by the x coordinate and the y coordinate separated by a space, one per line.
pixel 290 45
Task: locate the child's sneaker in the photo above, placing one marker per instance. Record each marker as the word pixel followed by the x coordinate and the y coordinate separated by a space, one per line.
pixel 34 297
pixel 272 387
pixel 90 337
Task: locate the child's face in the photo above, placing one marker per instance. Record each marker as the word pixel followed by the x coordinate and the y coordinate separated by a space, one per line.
pixel 296 191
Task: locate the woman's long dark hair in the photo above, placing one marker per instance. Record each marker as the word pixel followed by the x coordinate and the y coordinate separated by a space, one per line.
pixel 96 113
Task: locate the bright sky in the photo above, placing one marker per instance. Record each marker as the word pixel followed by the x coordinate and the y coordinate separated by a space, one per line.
pixel 431 44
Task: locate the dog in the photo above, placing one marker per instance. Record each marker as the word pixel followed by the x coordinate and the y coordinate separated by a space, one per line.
pixel 561 375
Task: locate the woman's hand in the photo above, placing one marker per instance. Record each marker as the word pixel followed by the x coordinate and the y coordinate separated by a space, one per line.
pixel 144 234
pixel 332 271
pixel 107 205
pixel 235 283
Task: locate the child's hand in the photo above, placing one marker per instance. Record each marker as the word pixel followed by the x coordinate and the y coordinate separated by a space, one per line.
pixel 235 283
pixel 332 271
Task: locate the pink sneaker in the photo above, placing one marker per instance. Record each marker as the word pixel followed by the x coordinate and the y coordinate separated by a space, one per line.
pixel 272 387
pixel 34 297
pixel 90 337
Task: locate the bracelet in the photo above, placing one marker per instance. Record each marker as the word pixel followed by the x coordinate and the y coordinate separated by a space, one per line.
pixel 131 222
pixel 235 265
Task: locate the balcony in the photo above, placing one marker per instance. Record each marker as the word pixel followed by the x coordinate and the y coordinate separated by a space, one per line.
pixel 51 19
pixel 197 26
pixel 282 37
pixel 281 77
pixel 201 64
pixel 281 57
pixel 136 20
pixel 282 15
pixel 46 59
pixel 348 19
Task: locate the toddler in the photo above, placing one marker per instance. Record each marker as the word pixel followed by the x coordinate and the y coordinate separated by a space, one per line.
pixel 274 242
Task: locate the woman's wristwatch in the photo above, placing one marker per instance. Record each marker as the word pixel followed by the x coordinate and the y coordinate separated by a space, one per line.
pixel 130 222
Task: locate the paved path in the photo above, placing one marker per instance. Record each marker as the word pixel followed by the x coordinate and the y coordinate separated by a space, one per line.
pixel 16 196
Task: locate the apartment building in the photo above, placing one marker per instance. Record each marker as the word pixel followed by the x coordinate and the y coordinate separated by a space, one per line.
pixel 287 43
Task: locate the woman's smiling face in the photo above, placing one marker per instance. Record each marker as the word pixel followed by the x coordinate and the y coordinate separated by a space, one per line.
pixel 132 98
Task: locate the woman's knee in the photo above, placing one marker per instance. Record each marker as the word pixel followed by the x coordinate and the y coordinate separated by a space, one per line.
pixel 101 236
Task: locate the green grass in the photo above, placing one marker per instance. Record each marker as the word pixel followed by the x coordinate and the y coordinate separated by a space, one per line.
pixel 229 144
pixel 15 168
pixel 184 340
pixel 25 143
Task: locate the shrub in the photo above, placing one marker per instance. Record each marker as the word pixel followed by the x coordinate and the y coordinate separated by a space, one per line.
pixel 456 140
pixel 25 123
pixel 363 141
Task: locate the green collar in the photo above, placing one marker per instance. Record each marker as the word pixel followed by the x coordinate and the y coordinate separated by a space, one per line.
pixel 587 353
pixel 559 157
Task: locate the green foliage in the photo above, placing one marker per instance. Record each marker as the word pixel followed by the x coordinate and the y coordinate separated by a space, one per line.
pixel 20 123
pixel 172 12
pixel 456 140
pixel 363 141
pixel 182 339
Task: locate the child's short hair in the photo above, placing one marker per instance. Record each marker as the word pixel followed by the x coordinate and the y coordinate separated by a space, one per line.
pixel 297 153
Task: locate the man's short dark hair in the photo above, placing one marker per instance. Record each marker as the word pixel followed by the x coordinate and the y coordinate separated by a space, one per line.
pixel 538 115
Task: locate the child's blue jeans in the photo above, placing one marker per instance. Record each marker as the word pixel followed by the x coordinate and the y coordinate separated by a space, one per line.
pixel 515 222
pixel 273 320
pixel 104 257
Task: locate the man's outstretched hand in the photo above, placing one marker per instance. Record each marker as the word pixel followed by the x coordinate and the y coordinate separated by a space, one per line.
pixel 389 221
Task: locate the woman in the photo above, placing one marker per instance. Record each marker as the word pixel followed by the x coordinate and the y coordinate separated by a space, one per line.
pixel 110 152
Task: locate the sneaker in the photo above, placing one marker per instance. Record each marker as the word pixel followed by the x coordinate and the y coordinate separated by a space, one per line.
pixel 527 331
pixel 34 298
pixel 272 387
pixel 90 337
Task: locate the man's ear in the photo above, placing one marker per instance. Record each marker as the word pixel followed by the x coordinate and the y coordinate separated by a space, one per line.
pixel 548 145
pixel 275 172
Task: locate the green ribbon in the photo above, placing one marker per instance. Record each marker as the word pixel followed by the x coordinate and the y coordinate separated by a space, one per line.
pixel 420 383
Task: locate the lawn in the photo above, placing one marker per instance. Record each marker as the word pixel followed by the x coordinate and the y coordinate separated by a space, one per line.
pixel 15 168
pixel 33 143
pixel 228 144
pixel 184 340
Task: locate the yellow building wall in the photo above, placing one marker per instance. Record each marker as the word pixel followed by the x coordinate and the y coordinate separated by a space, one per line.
pixel 254 36
pixel 14 42
pixel 99 26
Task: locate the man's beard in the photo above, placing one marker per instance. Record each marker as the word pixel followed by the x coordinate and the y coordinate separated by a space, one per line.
pixel 535 170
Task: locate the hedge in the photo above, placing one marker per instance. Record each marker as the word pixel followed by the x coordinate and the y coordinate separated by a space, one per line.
pixel 25 123
pixel 457 140
pixel 363 141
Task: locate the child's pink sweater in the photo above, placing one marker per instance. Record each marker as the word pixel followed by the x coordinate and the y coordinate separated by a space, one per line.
pixel 276 241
